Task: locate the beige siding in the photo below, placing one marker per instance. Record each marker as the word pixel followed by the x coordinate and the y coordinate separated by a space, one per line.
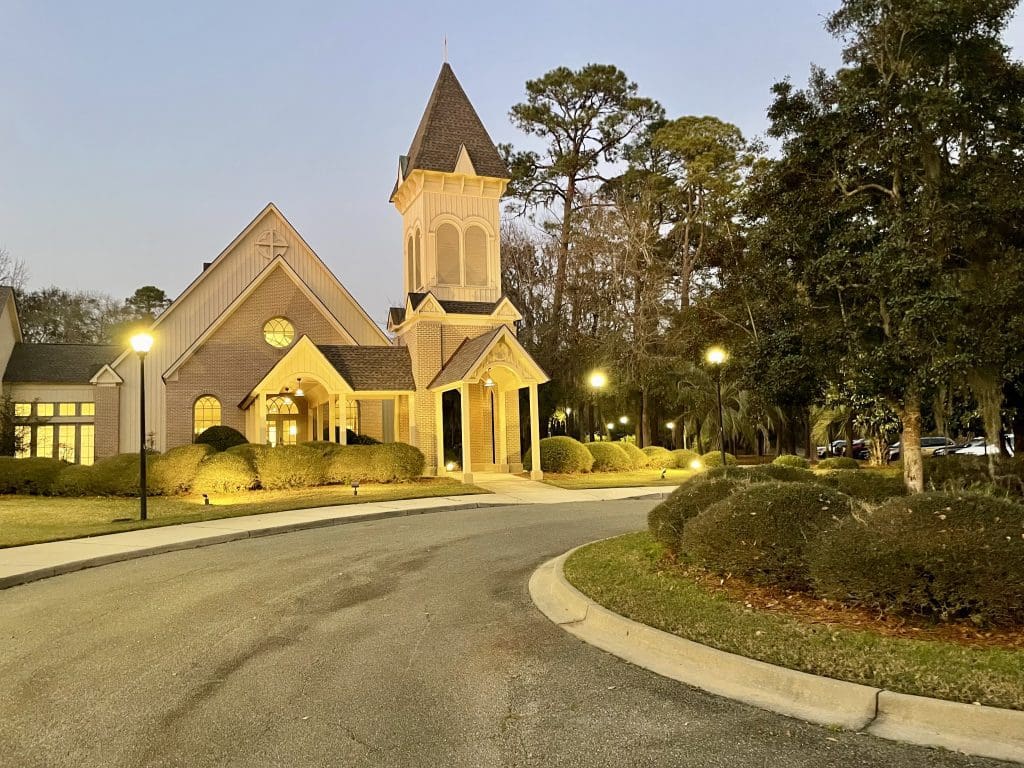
pixel 8 333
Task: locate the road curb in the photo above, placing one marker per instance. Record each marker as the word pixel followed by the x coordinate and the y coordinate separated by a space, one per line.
pixel 971 729
pixel 32 573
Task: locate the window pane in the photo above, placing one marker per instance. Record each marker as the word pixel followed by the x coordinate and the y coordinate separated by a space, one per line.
pixel 352 415
pixel 206 414
pixel 88 441
pixel 88 409
pixel 476 256
pixel 449 270
pixel 22 441
pixel 23 409
pixel 66 443
pixel 44 409
pixel 278 332
pixel 44 441
pixel 66 409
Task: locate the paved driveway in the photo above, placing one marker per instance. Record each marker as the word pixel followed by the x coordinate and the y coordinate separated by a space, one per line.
pixel 402 642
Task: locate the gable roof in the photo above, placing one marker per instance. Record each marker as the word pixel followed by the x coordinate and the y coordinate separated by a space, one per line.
pixel 7 296
pixel 396 315
pixel 58 363
pixel 372 368
pixel 450 123
pixel 465 357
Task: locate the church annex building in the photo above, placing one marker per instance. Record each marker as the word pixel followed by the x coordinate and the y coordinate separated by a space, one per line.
pixel 268 341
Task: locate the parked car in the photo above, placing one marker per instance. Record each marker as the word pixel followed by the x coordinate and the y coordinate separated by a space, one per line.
pixel 861 449
pixel 929 445
pixel 979 446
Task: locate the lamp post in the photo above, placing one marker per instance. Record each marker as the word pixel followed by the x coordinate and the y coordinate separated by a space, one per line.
pixel 672 431
pixel 142 343
pixel 717 356
pixel 597 381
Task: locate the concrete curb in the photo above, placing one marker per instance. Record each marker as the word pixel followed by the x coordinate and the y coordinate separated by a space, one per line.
pixel 974 730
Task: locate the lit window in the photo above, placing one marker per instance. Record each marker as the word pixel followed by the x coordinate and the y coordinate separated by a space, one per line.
pixel 87 453
pixel 205 414
pixel 44 409
pixel 88 409
pixel 476 256
pixel 66 443
pixel 281 405
pixel 449 271
pixel 23 409
pixel 278 332
pixel 44 441
pixel 66 409
pixel 352 415
pixel 22 441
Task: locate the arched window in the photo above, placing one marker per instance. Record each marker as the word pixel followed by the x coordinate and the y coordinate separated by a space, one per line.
pixel 476 256
pixel 281 405
pixel 417 263
pixel 352 415
pixel 410 259
pixel 278 332
pixel 205 414
pixel 449 270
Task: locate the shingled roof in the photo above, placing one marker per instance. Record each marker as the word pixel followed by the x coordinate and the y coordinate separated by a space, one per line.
pixel 461 362
pixel 58 363
pixel 396 315
pixel 448 123
pixel 372 368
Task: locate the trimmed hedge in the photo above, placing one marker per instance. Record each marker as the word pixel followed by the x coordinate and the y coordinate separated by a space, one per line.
pixel 112 476
pixel 561 455
pixel 789 460
pixel 221 438
pixel 867 486
pixel 761 531
pixel 939 555
pixel 173 472
pixel 373 463
pixel 713 459
pixel 685 457
pixel 608 457
pixel 227 472
pixel 32 475
pixel 666 520
pixel 763 473
pixel 288 466
pixel 839 462
pixel 637 457
pixel 660 458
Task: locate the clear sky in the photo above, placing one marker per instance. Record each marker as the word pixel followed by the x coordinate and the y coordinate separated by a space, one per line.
pixel 137 139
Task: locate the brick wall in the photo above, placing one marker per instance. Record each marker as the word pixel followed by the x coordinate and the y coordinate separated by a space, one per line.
pixel 107 420
pixel 371 419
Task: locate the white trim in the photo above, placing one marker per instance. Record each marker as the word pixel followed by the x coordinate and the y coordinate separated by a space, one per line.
pixel 106 376
pixel 539 376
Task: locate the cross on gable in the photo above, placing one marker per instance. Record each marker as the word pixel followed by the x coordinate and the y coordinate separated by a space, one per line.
pixel 270 244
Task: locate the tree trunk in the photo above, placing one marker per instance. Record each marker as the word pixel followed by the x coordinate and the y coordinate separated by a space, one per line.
pixel 849 436
pixel 910 441
pixel 808 443
pixel 563 260
pixel 1018 431
pixel 645 419
pixel 700 438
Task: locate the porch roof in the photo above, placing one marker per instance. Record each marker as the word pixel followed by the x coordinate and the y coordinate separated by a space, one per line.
pixel 372 368
pixel 473 353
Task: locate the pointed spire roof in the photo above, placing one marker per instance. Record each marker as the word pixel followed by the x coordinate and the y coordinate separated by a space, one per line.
pixel 449 123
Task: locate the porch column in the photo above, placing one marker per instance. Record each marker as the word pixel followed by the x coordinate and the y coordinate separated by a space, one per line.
pixel 501 430
pixel 535 473
pixel 342 419
pixel 332 417
pixel 467 448
pixel 414 433
pixel 261 418
pixel 439 433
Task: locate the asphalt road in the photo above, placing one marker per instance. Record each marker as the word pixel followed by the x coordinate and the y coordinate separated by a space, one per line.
pixel 403 642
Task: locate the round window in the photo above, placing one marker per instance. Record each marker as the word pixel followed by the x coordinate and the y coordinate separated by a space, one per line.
pixel 278 332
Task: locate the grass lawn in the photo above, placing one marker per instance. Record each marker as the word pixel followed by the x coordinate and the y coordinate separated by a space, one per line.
pixel 625 575
pixel 634 479
pixel 34 519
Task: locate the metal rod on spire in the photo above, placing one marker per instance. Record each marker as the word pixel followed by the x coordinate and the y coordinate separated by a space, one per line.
pixel 446 49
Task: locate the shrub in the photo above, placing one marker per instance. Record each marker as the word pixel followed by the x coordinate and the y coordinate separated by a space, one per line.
pixel 685 457
pixel 666 520
pixel 608 457
pixel 112 476
pixel 355 439
pixel 221 438
pixel 32 475
pixel 839 462
pixel 395 462
pixel 958 473
pixel 561 455
pixel 228 472
pixel 660 458
pixel 713 459
pixel 789 460
pixel 761 531
pixel 288 466
pixel 867 486
pixel 637 457
pixel 173 472
pixel 939 555
pixel 763 473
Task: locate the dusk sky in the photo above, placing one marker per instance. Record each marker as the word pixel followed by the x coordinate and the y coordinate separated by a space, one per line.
pixel 137 139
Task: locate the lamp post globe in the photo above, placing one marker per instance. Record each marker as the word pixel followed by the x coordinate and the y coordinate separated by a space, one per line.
pixel 716 357
pixel 597 380
pixel 141 343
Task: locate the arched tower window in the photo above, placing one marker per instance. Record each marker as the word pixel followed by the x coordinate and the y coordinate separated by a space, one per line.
pixel 205 414
pixel 476 256
pixel 449 270
pixel 417 262
pixel 409 261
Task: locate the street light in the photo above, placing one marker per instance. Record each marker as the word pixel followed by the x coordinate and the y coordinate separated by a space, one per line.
pixel 717 356
pixel 671 427
pixel 142 343
pixel 597 381
pixel 623 420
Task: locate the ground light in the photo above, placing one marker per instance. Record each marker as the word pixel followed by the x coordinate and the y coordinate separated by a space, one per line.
pixel 717 356
pixel 142 343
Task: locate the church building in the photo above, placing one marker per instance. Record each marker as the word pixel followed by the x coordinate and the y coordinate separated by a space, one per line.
pixel 268 341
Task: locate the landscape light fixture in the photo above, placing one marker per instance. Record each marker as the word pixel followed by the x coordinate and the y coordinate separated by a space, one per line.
pixel 717 356
pixel 450 466
pixel 141 343
pixel 610 425
pixel 355 487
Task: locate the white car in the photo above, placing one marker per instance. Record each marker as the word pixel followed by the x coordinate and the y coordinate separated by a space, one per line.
pixel 979 447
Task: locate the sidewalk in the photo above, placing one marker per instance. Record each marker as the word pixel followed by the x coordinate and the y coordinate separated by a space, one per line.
pixel 21 565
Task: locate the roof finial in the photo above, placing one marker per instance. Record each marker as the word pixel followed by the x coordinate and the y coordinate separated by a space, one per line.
pixel 446 49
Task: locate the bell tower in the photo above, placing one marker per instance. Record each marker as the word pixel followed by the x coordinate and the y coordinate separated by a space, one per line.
pixel 448 191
